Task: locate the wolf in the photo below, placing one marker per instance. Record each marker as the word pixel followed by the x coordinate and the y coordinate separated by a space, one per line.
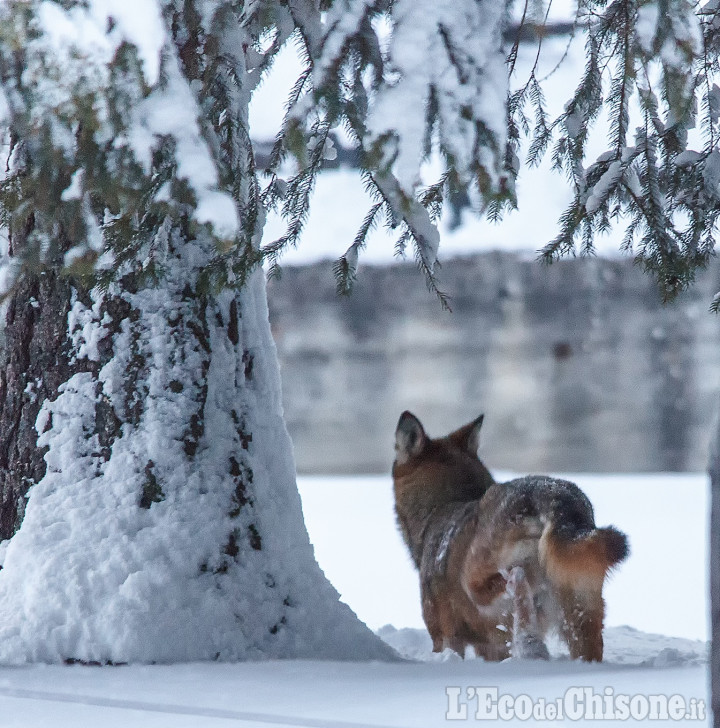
pixel 501 565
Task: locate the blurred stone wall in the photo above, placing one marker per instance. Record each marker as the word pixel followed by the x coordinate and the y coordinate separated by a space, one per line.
pixel 577 366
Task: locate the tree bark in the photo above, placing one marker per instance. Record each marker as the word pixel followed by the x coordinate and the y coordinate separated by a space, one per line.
pixel 33 364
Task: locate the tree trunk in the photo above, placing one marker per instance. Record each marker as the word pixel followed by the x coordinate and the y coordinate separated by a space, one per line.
pixel 33 364
pixel 143 425
pixel 715 575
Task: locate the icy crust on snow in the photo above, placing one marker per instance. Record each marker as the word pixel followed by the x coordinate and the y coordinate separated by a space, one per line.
pixel 623 646
pixel 91 575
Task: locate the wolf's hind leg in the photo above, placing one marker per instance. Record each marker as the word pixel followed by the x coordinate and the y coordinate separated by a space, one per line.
pixel 527 641
pixel 458 645
pixel 583 615
pixel 491 651
pixel 432 622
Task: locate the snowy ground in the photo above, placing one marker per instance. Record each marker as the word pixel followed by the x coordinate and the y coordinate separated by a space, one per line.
pixel 660 589
pixel 306 695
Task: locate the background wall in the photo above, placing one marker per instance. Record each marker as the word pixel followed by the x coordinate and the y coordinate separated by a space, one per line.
pixel 577 366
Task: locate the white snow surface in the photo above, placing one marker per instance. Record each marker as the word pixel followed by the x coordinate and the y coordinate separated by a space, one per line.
pixel 307 694
pixel 350 523
pixel 623 646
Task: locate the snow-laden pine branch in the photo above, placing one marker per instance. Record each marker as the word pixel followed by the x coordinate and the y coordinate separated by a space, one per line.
pixel 651 70
pixel 412 82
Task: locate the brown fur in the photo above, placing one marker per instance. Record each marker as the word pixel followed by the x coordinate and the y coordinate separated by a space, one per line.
pixel 466 534
pixel 587 559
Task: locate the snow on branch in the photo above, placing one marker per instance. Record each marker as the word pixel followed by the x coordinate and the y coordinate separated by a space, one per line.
pixel 106 131
pixel 447 81
pixel 650 70
pixel 411 81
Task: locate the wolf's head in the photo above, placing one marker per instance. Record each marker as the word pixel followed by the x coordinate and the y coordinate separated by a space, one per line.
pixel 445 469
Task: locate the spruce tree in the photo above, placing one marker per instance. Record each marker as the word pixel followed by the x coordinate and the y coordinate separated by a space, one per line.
pixel 149 510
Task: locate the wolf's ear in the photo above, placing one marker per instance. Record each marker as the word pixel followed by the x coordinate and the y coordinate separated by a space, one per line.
pixel 410 437
pixel 468 437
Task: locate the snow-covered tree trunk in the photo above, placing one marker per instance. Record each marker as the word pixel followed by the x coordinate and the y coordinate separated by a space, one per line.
pixel 141 415
pixel 167 525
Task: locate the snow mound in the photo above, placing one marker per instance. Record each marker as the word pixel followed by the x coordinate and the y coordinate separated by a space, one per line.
pixel 623 646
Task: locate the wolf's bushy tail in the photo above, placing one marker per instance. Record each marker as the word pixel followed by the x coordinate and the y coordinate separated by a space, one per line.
pixel 581 557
